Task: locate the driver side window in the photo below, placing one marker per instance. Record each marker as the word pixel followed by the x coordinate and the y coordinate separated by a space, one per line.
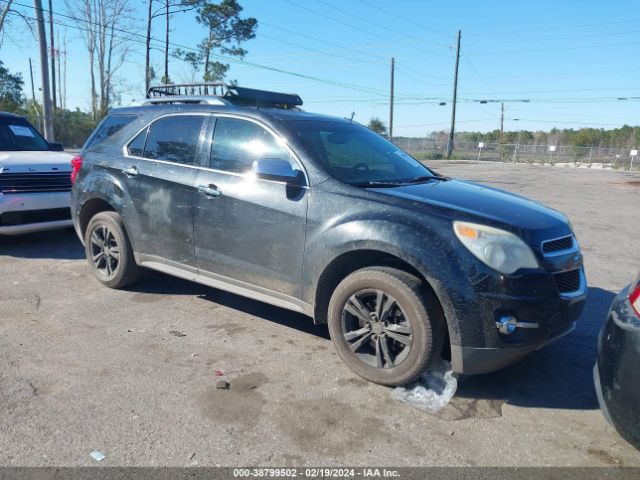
pixel 238 143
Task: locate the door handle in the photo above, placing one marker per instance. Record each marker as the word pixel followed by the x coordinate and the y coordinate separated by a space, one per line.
pixel 131 171
pixel 210 190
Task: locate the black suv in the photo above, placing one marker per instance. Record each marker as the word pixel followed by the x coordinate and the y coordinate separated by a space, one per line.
pixel 240 190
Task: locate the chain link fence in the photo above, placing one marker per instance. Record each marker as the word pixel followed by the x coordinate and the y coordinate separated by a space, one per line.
pixel 590 157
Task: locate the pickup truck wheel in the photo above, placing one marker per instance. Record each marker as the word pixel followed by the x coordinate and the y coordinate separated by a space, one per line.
pixel 109 251
pixel 385 325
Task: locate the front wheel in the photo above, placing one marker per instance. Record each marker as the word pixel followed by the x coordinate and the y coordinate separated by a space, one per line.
pixel 386 326
pixel 109 251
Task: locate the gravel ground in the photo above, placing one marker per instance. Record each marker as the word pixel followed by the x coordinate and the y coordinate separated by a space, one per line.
pixel 85 368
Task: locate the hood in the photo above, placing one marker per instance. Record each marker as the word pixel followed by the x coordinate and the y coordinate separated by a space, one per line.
pixel 470 199
pixel 46 161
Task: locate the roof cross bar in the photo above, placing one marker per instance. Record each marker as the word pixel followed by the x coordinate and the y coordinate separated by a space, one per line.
pixel 226 94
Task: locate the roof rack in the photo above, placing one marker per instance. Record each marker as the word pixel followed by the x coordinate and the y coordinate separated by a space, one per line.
pixel 220 94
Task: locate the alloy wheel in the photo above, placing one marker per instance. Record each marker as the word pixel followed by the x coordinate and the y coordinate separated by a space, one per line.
pixel 105 251
pixel 376 329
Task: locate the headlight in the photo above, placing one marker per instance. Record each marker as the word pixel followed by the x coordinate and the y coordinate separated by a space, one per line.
pixel 499 249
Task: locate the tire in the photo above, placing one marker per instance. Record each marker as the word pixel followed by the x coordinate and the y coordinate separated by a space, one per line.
pixel 114 266
pixel 413 319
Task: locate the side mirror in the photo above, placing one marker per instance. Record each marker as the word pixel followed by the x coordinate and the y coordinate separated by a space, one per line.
pixel 56 147
pixel 278 170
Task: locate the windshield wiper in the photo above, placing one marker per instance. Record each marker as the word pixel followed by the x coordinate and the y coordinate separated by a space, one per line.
pixel 377 183
pixel 396 183
pixel 425 178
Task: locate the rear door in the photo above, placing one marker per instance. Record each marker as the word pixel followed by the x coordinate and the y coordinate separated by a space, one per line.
pixel 160 166
pixel 248 229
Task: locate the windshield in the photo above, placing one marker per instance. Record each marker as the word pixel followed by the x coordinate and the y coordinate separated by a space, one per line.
pixel 17 135
pixel 354 154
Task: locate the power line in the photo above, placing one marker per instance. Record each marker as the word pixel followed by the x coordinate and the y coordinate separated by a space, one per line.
pixel 384 27
pixel 549 39
pixel 564 122
pixel 564 27
pixel 352 59
pixel 326 42
pixel 346 85
pixel 418 100
pixel 444 123
pixel 351 26
pixel 567 74
pixel 394 14
pixel 555 49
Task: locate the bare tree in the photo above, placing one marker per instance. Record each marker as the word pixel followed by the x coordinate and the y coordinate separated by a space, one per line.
pixel 167 8
pixel 103 22
pixel 5 7
pixel 6 13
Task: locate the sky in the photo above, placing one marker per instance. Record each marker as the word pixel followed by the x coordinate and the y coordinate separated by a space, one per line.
pixel 570 59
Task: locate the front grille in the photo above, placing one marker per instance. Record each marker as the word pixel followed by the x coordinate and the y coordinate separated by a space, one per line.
pixel 34 216
pixel 12 183
pixel 568 282
pixel 557 245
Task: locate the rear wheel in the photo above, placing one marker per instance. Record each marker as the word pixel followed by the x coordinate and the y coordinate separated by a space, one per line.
pixel 386 325
pixel 109 251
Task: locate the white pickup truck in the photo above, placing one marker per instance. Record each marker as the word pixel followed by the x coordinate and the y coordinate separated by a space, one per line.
pixel 34 179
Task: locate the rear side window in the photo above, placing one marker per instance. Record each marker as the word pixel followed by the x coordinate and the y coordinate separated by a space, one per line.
pixel 109 127
pixel 174 139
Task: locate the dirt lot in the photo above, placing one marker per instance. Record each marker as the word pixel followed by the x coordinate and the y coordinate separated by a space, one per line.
pixel 84 368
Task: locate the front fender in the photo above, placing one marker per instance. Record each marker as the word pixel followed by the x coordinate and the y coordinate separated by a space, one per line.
pixel 428 246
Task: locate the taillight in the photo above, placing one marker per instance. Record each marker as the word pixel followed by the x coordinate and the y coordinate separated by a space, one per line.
pixel 634 299
pixel 76 164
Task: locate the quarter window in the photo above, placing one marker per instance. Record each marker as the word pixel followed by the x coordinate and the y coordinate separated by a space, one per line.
pixel 174 139
pixel 238 143
pixel 136 147
pixel 108 128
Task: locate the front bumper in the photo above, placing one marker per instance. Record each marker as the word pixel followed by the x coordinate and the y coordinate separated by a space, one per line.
pixel 616 374
pixel 33 212
pixel 475 361
pixel 543 316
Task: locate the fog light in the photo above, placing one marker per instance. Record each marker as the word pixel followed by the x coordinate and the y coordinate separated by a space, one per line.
pixel 507 324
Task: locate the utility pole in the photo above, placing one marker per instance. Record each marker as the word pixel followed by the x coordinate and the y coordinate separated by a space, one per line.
pixel 33 88
pixel 455 96
pixel 501 121
pixel 147 66
pixel 393 66
pixel 53 56
pixel 44 68
pixel 33 95
pixel 166 44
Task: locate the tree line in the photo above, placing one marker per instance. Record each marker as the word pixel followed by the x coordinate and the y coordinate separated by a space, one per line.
pixel 626 136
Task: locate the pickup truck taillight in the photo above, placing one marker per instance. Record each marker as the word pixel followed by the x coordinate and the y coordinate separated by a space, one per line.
pixel 76 164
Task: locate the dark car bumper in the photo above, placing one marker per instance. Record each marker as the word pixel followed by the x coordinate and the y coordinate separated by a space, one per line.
pixel 617 371
pixel 475 361
pixel 543 316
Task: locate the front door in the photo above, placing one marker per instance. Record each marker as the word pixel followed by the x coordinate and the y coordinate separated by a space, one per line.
pixel 248 229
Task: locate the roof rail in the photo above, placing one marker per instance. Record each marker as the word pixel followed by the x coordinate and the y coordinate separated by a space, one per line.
pixel 223 93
